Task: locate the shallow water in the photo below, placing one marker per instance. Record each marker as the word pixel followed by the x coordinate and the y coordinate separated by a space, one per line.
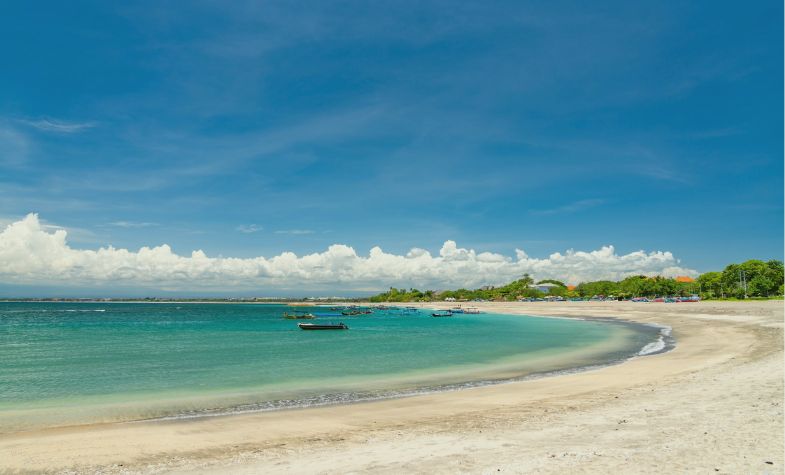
pixel 69 363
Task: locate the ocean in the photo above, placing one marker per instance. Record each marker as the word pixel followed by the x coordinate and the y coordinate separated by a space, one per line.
pixel 67 363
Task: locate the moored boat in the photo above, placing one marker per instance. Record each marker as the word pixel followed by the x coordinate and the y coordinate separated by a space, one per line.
pixel 472 310
pixel 354 312
pixel 322 326
pixel 442 313
pixel 298 316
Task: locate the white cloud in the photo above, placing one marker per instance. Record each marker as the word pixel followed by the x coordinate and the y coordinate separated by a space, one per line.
pixel 249 228
pixel 570 208
pixel 79 235
pixel 51 125
pixel 30 254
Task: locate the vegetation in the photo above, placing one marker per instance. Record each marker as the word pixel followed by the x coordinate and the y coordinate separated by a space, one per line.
pixel 638 286
pixel 403 295
pixel 511 291
pixel 763 279
pixel 749 279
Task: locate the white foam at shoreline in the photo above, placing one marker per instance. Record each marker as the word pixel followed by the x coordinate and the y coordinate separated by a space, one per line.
pixel 352 398
pixel 660 344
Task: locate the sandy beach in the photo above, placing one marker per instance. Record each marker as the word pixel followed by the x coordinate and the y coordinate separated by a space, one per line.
pixel 712 405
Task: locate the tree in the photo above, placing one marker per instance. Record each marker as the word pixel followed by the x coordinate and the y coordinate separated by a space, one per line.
pixel 551 281
pixel 775 272
pixel 560 291
pixel 634 286
pixel 711 284
pixel 767 276
pixel 761 286
pixel 764 279
pixel 600 287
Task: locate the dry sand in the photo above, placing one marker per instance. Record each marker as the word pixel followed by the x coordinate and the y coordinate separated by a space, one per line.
pixel 712 405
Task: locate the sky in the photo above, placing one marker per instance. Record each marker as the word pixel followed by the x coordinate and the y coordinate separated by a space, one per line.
pixel 290 147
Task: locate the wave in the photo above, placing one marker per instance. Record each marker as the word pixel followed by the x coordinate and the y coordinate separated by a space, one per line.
pixel 50 310
pixel 661 344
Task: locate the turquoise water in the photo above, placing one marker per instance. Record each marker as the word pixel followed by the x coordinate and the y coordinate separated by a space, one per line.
pixel 67 363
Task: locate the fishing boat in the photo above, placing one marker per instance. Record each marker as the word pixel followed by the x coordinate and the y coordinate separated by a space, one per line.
pixel 322 326
pixel 298 316
pixel 456 310
pixel 472 310
pixel 356 311
pixel 442 313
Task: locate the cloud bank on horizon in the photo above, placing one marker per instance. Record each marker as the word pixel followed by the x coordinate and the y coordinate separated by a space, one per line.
pixel 30 254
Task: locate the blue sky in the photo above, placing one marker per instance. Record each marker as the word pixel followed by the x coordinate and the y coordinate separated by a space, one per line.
pixel 255 128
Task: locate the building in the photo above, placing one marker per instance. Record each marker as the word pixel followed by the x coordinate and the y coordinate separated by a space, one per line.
pixel 685 279
pixel 544 287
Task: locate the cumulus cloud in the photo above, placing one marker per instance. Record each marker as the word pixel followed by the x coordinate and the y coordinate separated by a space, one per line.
pixel 31 254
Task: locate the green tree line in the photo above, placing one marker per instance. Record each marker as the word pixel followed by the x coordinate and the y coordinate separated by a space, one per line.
pixel 753 278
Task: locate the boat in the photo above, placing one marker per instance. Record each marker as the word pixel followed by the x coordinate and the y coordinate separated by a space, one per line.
pixel 322 326
pixel 471 310
pixel 298 316
pixel 350 313
pixel 442 313
pixel 456 310
pixel 356 311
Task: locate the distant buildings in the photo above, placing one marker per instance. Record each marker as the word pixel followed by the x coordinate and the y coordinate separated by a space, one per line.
pixel 685 279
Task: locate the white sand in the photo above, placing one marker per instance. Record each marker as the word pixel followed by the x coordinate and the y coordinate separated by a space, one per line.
pixel 713 405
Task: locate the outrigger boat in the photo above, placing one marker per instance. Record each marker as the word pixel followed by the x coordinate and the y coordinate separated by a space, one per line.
pixel 298 316
pixel 322 326
pixel 442 313
pixel 356 312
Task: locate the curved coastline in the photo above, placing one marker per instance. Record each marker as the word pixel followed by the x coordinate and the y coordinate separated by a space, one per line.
pixel 665 342
pixel 722 347
pixel 614 349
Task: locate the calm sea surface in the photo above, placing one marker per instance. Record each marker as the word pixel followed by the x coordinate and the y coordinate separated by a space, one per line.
pixel 68 363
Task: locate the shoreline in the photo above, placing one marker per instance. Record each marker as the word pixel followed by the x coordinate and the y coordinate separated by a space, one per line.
pixel 503 371
pixel 718 341
pixel 667 340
